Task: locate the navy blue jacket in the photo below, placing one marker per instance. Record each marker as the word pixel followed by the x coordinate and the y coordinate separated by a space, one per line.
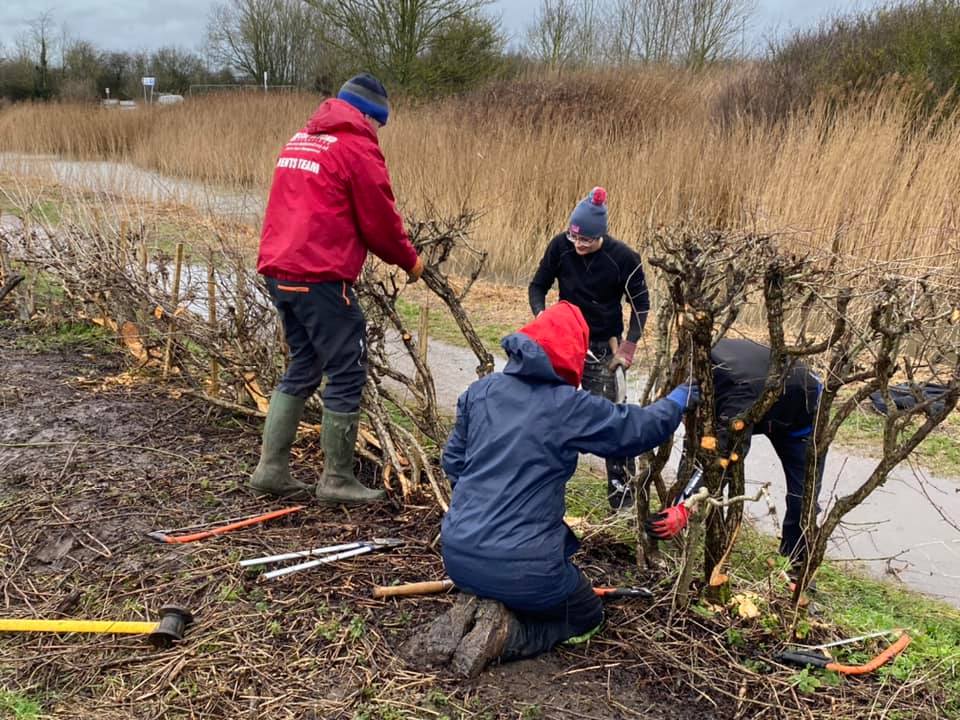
pixel 509 457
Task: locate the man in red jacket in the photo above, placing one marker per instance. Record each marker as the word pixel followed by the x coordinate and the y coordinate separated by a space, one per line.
pixel 330 202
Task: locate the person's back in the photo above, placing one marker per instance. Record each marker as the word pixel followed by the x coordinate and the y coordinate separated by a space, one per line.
pixel 509 456
pixel 740 370
pixel 515 446
pixel 330 202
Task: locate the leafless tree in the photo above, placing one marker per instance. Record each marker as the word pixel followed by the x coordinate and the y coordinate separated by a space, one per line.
pixel 277 37
pixel 41 39
pixel 622 29
pixel 661 26
pixel 389 37
pixel 693 33
pixel 552 36
pixel 861 324
pixel 712 29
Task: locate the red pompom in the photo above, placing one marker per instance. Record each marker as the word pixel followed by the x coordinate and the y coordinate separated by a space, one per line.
pixel 599 196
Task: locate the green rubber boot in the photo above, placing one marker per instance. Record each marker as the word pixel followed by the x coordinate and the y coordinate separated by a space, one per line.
pixel 272 476
pixel 338 484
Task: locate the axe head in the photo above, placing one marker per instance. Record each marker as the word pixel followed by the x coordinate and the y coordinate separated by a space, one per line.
pixel 620 384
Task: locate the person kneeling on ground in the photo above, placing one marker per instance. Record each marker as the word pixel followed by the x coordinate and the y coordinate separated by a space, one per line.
pixel 516 443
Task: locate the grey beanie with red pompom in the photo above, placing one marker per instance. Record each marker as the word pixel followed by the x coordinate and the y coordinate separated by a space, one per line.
pixel 589 217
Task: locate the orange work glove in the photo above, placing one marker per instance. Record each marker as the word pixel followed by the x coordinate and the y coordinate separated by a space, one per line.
pixel 414 273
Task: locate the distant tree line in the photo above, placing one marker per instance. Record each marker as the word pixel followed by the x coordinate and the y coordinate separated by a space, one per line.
pixel 421 47
pixel 46 63
pixel 912 46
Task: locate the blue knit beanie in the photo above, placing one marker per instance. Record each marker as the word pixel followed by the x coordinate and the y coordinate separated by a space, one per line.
pixel 367 95
pixel 589 217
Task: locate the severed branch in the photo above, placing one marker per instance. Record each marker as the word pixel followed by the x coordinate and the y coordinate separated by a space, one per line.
pixel 12 282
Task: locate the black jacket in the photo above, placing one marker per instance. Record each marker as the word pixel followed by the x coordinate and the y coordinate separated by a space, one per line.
pixel 739 373
pixel 595 283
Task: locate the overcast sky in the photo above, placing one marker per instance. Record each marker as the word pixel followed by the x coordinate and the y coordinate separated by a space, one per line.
pixel 149 24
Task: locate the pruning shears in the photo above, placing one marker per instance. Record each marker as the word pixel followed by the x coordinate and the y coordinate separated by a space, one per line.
pixel 330 554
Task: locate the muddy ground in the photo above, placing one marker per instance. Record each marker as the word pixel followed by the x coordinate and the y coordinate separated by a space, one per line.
pixel 92 458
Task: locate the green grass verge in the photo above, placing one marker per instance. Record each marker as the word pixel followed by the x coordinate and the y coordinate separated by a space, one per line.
pixel 939 452
pixel 68 337
pixel 46 212
pixel 18 707
pixel 587 496
pixel 443 327
pixel 847 599
pixel 856 604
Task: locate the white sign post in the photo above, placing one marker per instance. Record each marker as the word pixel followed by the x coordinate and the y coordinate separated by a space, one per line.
pixel 148 82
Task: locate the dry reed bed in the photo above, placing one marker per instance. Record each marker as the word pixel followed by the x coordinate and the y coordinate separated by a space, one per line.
pixel 863 181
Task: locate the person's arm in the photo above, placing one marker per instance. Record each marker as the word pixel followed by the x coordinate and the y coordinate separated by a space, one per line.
pixel 635 290
pixel 639 299
pixel 542 281
pixel 455 451
pixel 597 426
pixel 375 210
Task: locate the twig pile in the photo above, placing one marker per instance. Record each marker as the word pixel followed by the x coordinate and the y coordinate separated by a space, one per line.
pixel 208 319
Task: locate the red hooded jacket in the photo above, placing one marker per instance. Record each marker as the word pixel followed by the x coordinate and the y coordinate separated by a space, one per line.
pixel 331 202
pixel 564 336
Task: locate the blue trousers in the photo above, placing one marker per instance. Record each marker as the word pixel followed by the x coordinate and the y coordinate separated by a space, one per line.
pixel 539 631
pixel 792 452
pixel 327 335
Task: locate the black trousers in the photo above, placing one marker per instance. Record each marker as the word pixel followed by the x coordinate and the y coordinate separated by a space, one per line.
pixel 540 631
pixel 598 379
pixel 327 334
pixel 792 452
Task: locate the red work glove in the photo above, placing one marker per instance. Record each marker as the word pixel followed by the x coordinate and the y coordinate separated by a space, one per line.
pixel 667 523
pixel 415 272
pixel 624 355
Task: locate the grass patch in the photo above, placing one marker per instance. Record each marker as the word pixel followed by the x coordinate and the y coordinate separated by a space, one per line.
pixel 68 337
pixel 857 604
pixel 846 599
pixel 48 211
pixel 444 328
pixel 939 452
pixel 18 707
pixel 861 605
pixel 586 495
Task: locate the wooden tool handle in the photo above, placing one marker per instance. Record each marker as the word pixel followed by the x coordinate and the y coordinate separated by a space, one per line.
pixel 418 588
pixel 246 522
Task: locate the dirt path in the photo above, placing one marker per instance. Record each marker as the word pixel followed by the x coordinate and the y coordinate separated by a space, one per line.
pixel 910 528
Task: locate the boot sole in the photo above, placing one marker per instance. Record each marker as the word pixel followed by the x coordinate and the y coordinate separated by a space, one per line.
pixel 484 643
pixel 305 492
pixel 339 501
